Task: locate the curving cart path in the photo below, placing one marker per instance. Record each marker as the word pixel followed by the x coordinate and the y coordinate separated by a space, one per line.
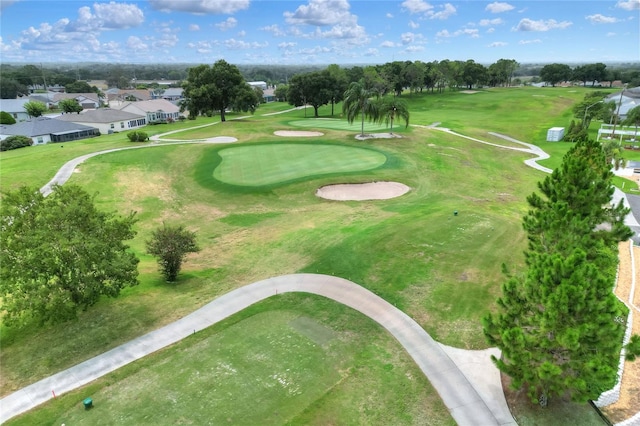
pixel 468 405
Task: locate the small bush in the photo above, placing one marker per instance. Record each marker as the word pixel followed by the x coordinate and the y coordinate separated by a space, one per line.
pixel 15 142
pixel 137 136
pixel 6 118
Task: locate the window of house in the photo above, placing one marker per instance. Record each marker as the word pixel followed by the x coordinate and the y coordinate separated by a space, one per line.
pixel 122 124
pixel 113 126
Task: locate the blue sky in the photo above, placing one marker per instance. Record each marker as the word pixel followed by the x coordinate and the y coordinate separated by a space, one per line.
pixel 318 31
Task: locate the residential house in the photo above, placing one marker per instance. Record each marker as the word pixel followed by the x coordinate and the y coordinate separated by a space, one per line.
pixel 128 95
pixel 45 129
pixel 156 110
pixel 107 120
pixel 86 100
pixel 172 94
pixel 15 107
pixel 626 100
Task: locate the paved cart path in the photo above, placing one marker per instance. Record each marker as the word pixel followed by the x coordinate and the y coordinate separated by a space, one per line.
pixel 452 372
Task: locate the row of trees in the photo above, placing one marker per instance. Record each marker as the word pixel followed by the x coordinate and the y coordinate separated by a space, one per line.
pixel 556 73
pixel 60 254
pixel 559 325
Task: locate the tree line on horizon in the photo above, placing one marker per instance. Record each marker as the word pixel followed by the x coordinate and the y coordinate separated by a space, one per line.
pixel 76 78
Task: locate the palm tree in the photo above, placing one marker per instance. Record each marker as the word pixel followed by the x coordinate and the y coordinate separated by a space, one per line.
pixel 358 100
pixel 614 154
pixel 389 108
pixel 633 119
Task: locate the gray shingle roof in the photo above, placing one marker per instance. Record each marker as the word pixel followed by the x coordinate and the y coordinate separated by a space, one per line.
pixel 41 126
pixel 102 115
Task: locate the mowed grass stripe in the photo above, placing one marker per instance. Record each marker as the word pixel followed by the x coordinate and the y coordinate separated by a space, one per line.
pixel 260 165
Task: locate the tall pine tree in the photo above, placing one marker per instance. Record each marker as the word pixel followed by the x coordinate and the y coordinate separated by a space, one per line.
pixel 558 327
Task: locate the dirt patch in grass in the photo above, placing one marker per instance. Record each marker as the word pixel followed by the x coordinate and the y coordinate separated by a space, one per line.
pixel 140 184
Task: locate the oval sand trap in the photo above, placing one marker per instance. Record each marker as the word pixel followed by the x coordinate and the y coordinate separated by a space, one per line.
pixel 362 191
pixel 297 133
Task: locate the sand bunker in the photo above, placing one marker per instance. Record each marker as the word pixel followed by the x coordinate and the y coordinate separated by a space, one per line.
pixel 366 136
pixel 297 133
pixel 363 191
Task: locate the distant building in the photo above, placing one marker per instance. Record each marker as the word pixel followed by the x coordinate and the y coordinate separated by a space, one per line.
pixel 86 100
pixel 45 129
pixel 156 110
pixel 260 84
pixel 107 120
pixel 15 107
pixel 626 100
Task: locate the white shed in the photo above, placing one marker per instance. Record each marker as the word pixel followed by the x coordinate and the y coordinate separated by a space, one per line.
pixel 555 134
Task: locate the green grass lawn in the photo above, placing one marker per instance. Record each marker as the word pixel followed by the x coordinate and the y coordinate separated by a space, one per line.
pixel 341 124
pixel 293 359
pixel 442 270
pixel 268 164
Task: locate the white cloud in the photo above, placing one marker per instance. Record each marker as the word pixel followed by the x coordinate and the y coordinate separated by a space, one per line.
pixel 601 19
pixel 611 34
pixel 194 27
pixel 166 40
pixel 320 13
pixel 242 33
pixel 106 16
pixel 527 24
pixel 387 44
pixel 240 44
pixel 491 30
pixel 118 15
pixel 498 7
pixel 629 5
pixel 324 13
pixel 497 44
pixel 201 46
pixel 135 43
pixel 274 29
pixel 286 45
pixel 388 15
pixel 371 52
pixel 231 22
pixel 537 40
pixel 416 6
pixel 413 25
pixel 447 10
pixel 200 7
pixel 471 32
pixel 412 49
pixel 487 22
pixel 407 38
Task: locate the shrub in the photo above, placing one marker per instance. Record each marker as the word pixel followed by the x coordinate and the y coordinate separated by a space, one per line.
pixel 15 142
pixel 137 136
pixel 6 118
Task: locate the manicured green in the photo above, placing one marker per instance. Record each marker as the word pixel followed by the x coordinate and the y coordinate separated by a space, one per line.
pixel 268 164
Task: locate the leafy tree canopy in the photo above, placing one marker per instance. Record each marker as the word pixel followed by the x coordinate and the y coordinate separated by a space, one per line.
pixel 60 254
pixel 35 108
pixel 170 244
